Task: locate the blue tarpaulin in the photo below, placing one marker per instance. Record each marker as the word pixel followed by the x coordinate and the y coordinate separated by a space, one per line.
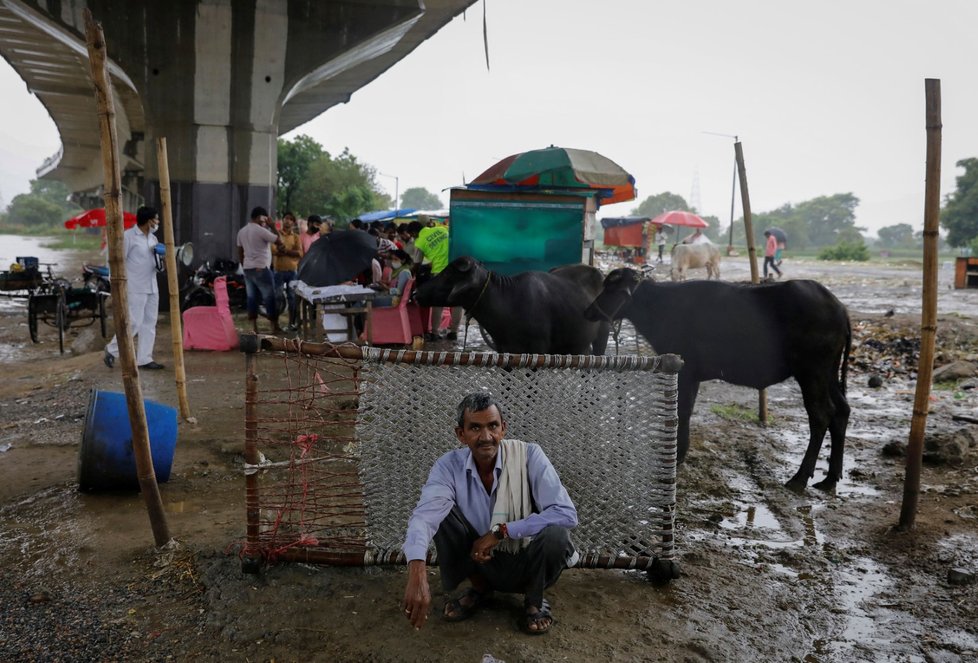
pixel 384 215
pixel 617 221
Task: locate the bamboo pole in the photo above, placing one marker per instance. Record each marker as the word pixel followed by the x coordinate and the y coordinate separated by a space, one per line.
pixel 120 305
pixel 928 318
pixel 176 326
pixel 751 254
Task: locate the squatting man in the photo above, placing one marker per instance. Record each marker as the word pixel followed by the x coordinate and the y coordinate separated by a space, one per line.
pixel 499 517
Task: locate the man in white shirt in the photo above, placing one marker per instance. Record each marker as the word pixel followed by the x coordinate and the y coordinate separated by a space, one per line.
pixel 255 255
pixel 139 248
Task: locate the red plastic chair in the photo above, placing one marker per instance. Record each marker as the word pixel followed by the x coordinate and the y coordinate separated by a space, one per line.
pixel 391 324
pixel 211 327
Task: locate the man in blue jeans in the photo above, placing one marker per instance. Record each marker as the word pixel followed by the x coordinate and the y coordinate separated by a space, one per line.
pixel 255 255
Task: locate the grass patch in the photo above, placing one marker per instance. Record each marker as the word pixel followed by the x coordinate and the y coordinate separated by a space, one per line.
pixel 80 242
pixel 737 413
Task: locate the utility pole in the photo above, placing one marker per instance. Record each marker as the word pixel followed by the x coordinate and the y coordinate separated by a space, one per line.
pixel 733 190
pixel 397 191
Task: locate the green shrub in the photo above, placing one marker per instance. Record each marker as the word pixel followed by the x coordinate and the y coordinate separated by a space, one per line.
pixel 856 251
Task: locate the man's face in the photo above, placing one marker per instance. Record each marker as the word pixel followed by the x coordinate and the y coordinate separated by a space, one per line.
pixel 482 432
pixel 313 228
pixel 287 224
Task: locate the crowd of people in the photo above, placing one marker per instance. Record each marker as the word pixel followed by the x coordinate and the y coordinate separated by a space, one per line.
pixel 269 252
pixel 270 256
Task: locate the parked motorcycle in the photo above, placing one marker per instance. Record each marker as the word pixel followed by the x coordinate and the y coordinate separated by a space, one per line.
pixel 199 288
pixel 96 278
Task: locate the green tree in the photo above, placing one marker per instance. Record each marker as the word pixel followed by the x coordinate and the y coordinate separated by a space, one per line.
pixel 295 159
pixel 787 219
pixel 960 215
pixel 655 205
pixel 342 188
pixel 666 201
pixel 44 208
pixel 821 221
pixel 420 198
pixel 898 235
pixel 713 228
pixel 311 181
pixel 829 218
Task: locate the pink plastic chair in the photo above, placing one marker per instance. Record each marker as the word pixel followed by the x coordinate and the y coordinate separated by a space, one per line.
pixel 391 324
pixel 211 327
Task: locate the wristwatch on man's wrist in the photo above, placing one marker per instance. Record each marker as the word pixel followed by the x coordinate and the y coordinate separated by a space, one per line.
pixel 499 531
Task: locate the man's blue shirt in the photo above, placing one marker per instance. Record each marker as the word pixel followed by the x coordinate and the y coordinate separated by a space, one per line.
pixel 454 479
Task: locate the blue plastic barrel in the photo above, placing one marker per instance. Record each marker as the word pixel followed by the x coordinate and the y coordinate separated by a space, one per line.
pixel 106 460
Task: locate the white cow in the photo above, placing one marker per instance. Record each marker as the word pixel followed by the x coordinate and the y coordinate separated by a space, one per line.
pixel 694 256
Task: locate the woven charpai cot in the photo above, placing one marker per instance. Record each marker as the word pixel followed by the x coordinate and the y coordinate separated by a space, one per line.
pixel 343 446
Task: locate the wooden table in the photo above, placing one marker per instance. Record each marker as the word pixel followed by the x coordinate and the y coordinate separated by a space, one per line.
pixel 345 300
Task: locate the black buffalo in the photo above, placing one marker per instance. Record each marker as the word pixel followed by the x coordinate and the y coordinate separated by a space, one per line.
pixel 532 312
pixel 750 335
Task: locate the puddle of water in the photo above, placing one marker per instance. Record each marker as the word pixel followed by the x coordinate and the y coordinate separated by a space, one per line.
pixel 754 517
pixel 182 506
pixel 754 528
pixel 51 533
pixel 855 590
pixel 796 443
pixel 12 351
pixel 873 628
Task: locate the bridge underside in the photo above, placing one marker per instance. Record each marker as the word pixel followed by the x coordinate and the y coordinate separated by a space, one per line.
pixel 220 80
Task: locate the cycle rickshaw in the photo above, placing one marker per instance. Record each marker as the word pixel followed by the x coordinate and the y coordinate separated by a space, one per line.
pixel 52 300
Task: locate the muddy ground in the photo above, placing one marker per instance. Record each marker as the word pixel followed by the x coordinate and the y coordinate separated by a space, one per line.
pixel 766 574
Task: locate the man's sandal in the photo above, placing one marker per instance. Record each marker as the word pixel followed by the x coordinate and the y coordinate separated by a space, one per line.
pixel 456 611
pixel 539 622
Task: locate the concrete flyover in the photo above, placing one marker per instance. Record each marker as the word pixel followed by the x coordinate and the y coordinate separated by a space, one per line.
pixel 220 79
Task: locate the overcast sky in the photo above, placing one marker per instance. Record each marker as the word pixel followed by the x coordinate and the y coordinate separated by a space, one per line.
pixel 827 97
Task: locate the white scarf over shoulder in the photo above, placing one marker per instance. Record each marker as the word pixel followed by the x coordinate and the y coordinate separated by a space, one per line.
pixel 513 492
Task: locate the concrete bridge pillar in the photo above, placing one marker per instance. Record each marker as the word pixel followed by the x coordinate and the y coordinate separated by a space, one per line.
pixel 217 103
pixel 220 79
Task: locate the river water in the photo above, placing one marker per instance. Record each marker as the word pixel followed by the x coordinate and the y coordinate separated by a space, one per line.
pixel 65 263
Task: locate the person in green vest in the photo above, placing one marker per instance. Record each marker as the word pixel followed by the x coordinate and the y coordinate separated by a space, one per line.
pixel 432 242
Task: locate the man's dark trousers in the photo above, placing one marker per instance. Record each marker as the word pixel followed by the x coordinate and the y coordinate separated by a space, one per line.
pixel 527 572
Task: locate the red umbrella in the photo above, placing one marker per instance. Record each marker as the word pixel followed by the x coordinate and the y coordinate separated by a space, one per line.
pixel 677 218
pixel 95 218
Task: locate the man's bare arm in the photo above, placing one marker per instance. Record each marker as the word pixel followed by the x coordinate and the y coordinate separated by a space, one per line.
pixel 417 595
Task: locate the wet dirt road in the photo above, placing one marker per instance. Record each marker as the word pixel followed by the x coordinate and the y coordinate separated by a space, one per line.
pixel 767 574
